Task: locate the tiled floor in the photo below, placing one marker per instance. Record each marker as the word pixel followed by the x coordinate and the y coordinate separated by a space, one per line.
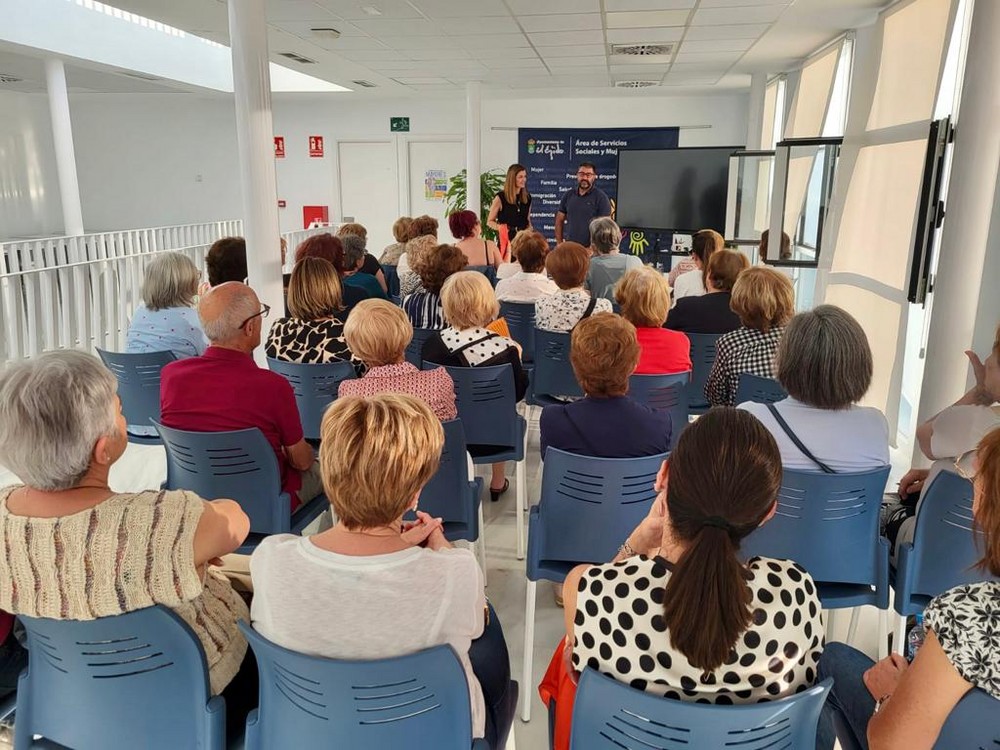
pixel 145 467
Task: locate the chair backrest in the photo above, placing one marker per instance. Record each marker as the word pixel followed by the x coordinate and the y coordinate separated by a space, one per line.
pixel 446 495
pixel 488 271
pixel 520 317
pixel 610 715
pixel 553 374
pixel 827 523
pixel 421 699
pixel 761 390
pixel 415 349
pixel 702 359
pixel 240 465
pixel 391 279
pixel 486 404
pixel 118 682
pixel 588 506
pixel 973 723
pixel 667 393
pixel 138 382
pixel 315 387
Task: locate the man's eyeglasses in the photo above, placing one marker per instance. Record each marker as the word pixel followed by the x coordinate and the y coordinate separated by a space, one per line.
pixel 264 310
pixel 586 174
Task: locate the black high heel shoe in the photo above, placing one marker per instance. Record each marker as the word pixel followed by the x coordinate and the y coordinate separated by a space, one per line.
pixel 495 494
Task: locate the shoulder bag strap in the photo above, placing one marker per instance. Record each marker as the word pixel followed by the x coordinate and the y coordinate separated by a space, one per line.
pixel 590 308
pixel 795 439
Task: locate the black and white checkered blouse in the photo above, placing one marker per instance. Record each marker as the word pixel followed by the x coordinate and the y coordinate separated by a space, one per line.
pixel 745 350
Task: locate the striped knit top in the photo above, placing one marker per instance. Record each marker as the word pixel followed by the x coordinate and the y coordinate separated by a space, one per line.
pixel 129 552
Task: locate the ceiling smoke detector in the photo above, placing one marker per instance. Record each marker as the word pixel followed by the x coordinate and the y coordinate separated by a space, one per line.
pixel 297 58
pixel 642 50
pixel 4 78
pixel 635 84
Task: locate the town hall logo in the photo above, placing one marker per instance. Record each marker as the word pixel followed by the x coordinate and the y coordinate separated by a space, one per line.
pixel 550 148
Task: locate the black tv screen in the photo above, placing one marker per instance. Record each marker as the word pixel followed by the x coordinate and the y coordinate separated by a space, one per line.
pixel 674 189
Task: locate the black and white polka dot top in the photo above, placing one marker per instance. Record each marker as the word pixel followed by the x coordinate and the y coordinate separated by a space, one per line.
pixel 619 630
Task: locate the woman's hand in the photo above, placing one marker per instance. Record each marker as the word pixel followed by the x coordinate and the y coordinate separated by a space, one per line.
pixel 649 533
pixel 979 393
pixel 882 679
pixel 418 533
pixel 912 482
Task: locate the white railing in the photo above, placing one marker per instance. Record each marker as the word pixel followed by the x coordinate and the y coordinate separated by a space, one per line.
pixel 80 292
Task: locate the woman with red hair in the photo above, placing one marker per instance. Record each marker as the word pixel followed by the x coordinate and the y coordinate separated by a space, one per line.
pixel 468 231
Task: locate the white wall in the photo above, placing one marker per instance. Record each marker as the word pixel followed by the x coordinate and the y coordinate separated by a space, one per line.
pixel 29 185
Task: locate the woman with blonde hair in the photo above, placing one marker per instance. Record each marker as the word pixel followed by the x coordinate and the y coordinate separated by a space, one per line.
pixel 511 207
pixel 409 279
pixel 314 333
pixel 166 320
pixel 764 300
pixel 644 297
pixel 400 231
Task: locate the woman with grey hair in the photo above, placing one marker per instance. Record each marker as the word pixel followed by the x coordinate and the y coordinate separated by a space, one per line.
pixel 824 362
pixel 354 261
pixel 166 320
pixel 86 551
pixel 607 264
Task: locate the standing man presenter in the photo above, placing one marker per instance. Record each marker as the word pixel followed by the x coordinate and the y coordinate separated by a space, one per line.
pixel 580 206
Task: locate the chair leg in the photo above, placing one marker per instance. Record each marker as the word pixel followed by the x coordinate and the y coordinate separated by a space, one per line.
pixel 852 629
pixel 899 635
pixel 481 544
pixel 529 647
pixel 883 644
pixel 522 499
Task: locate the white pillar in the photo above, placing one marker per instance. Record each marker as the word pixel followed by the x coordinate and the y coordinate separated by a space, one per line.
pixel 473 136
pixel 962 292
pixel 62 135
pixel 755 111
pixel 255 136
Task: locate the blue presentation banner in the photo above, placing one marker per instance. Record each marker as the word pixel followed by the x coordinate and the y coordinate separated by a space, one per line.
pixel 551 156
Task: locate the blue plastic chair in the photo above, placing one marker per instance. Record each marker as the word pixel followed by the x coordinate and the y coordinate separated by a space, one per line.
pixel 588 507
pixel 240 465
pixel 391 279
pixel 138 388
pixel 117 683
pixel 702 358
pixel 520 317
pixel 610 715
pixel 420 700
pixel 315 387
pixel 665 392
pixel 415 349
pixel 553 373
pixel 758 389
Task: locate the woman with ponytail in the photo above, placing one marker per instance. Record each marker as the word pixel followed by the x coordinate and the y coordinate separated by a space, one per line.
pixel 678 612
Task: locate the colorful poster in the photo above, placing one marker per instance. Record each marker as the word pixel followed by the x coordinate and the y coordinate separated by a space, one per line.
pixel 435 184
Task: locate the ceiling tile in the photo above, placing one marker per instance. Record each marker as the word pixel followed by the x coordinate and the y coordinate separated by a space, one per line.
pixel 567 38
pixel 575 62
pixel 450 53
pixel 740 3
pixel 684 56
pixel 345 42
pixel 390 27
pixel 479 25
pixel 699 67
pixel 651 60
pixel 422 81
pixel 745 31
pixel 582 50
pixel 646 18
pixel 716 45
pixel 642 71
pixel 612 6
pixel 546 7
pixel 563 22
pixel 690 79
pixel 748 14
pixel 645 36
pixel 303 29
pixel 367 55
pixel 445 87
pixel 352 9
pixel 296 10
pixel 517 63
pixel 493 45
pixel 399 67
pixel 417 42
pixel 440 9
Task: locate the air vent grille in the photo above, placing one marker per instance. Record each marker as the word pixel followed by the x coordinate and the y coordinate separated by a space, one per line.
pixel 364 84
pixel 642 50
pixel 635 84
pixel 4 78
pixel 297 58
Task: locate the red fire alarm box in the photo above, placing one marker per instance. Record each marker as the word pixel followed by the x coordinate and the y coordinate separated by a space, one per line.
pixel 316 146
pixel 279 147
pixel 318 214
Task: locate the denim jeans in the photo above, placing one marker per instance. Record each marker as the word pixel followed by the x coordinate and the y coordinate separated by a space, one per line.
pixel 491 664
pixel 849 706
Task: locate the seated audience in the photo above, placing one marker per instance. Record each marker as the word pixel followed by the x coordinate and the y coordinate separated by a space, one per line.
pixel 226 260
pixel 607 264
pixel 693 283
pixel 315 331
pixel 692 620
pixel 166 320
pixel 764 300
pixel 786 245
pixel 465 228
pixel 409 281
pixel 400 231
pixel 824 362
pixel 331 249
pixel 85 551
pixel 894 704
pixel 710 312
pixel 469 306
pixel 567 264
pixel 529 282
pixel 606 423
pixel 224 389
pixel 422 226
pixel 374 586
pixel 644 297
pixel 351 273
pixel 433 267
pixel 685 264
pixel 379 334
pixel 370 265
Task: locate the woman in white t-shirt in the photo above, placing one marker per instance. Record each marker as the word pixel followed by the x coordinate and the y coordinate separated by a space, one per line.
pixel 692 283
pixel 373 586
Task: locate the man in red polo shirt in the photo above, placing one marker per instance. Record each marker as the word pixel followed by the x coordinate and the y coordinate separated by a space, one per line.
pixel 224 389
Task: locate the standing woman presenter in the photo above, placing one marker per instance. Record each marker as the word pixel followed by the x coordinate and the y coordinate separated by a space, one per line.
pixel 511 208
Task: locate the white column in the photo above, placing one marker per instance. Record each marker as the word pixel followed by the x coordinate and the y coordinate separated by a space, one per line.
pixel 473 136
pixel 62 135
pixel 962 292
pixel 755 111
pixel 255 136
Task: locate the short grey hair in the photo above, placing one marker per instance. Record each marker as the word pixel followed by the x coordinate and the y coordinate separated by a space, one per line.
pixel 605 235
pixel 354 250
pixel 53 410
pixel 824 359
pixel 224 327
pixel 171 280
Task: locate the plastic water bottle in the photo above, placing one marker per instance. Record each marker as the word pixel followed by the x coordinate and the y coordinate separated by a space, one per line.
pixel 915 638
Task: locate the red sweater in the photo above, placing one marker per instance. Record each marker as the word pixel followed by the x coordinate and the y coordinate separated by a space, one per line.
pixel 662 351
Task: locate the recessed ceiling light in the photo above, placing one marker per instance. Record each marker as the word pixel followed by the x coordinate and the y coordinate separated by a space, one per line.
pixel 371 10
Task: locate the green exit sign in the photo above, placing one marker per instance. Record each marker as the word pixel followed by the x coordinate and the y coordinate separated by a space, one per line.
pixel 399 124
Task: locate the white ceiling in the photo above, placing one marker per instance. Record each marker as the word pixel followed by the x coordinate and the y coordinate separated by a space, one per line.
pixel 415 46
